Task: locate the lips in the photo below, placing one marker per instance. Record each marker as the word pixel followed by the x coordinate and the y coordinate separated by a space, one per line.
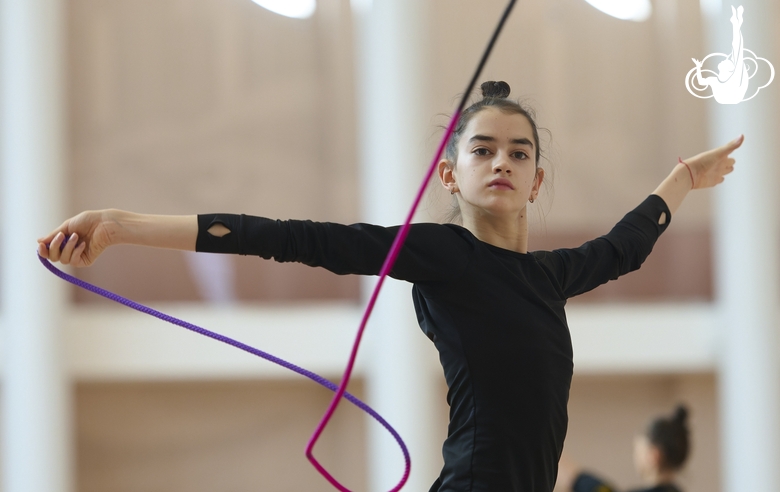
pixel 501 184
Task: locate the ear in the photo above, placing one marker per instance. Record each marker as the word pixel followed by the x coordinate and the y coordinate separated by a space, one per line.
pixel 446 172
pixel 538 179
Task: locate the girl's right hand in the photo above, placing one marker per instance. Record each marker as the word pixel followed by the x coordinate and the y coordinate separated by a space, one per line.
pixel 88 234
pixel 710 168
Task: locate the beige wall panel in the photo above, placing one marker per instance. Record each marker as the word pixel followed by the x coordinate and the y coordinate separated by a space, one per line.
pixel 606 412
pixel 183 105
pixel 213 436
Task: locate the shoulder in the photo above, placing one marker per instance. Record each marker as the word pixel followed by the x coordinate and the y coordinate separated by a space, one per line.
pixel 436 228
pixel 443 235
pixel 550 259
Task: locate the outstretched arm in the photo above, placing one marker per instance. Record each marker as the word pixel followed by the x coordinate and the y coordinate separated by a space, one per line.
pixel 432 252
pixel 90 233
pixel 707 170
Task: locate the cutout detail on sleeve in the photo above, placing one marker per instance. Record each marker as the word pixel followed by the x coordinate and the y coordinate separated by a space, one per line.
pixel 218 230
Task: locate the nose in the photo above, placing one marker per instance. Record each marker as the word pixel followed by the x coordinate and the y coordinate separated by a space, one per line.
pixel 500 165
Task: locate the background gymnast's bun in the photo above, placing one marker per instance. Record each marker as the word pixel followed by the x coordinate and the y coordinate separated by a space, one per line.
pixel 680 416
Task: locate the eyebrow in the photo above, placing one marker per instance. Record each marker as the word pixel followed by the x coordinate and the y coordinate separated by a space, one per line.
pixel 487 138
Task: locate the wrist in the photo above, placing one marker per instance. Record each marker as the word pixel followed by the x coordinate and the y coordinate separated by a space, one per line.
pixel 685 168
pixel 116 224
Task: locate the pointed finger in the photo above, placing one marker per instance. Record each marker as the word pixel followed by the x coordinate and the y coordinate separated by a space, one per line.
pixel 734 144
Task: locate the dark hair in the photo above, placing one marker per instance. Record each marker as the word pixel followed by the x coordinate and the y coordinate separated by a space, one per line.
pixel 494 94
pixel 670 436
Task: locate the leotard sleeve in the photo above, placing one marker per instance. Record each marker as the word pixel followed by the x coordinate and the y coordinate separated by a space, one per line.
pixel 622 250
pixel 432 252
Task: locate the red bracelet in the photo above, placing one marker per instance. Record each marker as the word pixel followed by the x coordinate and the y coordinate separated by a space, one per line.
pixel 689 170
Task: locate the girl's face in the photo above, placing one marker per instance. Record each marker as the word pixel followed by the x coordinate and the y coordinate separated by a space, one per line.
pixel 646 458
pixel 496 169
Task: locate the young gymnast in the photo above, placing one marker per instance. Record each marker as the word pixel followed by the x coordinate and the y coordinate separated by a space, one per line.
pixel 659 454
pixel 494 310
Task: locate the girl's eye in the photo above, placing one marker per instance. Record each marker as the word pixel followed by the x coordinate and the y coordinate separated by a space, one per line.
pixel 520 155
pixel 481 151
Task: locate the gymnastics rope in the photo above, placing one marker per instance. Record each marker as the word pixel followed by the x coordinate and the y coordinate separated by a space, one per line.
pixel 392 256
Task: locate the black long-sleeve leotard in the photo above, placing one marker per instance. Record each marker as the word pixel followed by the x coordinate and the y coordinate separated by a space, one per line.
pixel 496 317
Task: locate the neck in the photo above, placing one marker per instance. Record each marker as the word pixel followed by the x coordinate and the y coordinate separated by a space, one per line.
pixel 507 232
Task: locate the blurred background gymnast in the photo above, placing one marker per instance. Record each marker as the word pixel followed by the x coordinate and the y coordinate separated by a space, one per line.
pixel 660 452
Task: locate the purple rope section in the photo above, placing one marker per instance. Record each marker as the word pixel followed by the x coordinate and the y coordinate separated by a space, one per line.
pixel 392 256
pixel 235 343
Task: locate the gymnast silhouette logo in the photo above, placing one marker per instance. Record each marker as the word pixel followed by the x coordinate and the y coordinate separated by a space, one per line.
pixel 735 70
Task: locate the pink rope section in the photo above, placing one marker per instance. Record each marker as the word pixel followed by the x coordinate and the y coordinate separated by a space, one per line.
pixel 395 249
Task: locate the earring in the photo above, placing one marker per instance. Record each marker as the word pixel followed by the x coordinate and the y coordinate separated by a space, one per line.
pixel 452 192
pixel 532 200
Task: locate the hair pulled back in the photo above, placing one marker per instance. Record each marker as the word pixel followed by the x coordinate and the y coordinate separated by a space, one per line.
pixel 494 94
pixel 671 436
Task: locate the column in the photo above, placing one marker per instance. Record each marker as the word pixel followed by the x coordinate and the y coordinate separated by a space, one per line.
pixel 35 405
pixel 747 242
pixel 402 363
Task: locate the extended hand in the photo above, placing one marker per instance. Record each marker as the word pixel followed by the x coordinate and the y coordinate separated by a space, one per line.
pixel 87 236
pixel 710 167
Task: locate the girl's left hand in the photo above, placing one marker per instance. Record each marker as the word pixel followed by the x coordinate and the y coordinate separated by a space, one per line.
pixel 710 167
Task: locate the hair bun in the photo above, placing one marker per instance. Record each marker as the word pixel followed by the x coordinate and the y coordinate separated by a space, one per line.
pixel 680 415
pixel 499 90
